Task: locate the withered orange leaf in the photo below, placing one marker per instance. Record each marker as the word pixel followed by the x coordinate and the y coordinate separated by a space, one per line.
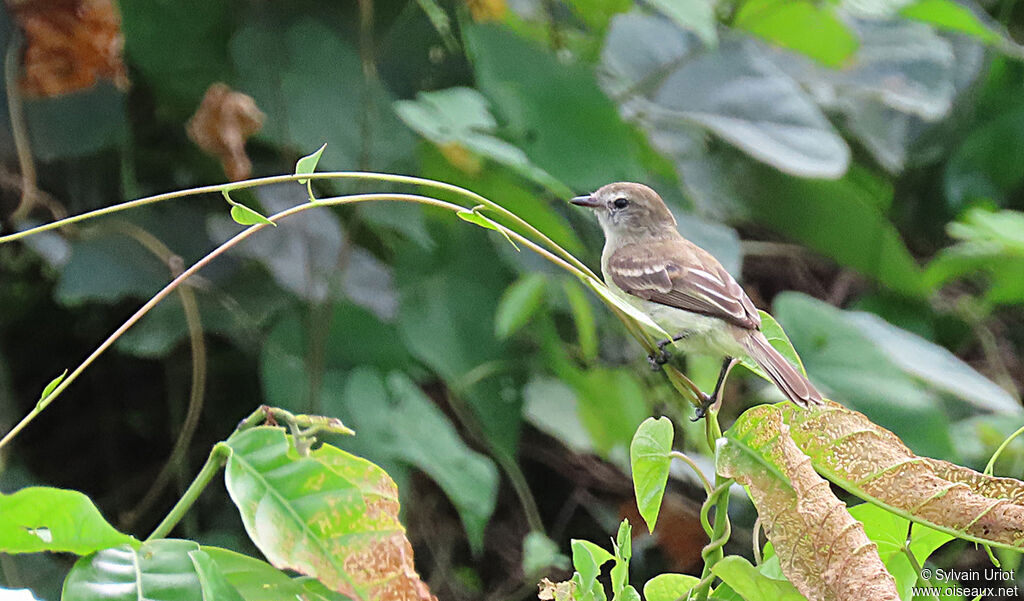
pixel 822 549
pixel 223 122
pixel 69 45
pixel 872 463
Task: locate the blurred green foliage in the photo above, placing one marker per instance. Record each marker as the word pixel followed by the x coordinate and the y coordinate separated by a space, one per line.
pixel 868 154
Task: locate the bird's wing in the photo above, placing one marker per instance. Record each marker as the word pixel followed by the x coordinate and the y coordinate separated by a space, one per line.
pixel 682 275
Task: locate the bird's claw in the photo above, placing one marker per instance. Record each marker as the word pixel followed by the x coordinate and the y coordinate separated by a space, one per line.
pixel 705 403
pixel 656 360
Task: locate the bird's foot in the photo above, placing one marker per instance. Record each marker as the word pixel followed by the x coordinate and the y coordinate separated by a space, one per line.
pixel 705 403
pixel 656 360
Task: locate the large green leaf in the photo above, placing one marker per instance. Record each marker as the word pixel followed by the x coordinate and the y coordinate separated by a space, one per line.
pixel 872 463
pixel 824 552
pixel 53 519
pixel 877 342
pixel 650 458
pixel 663 80
pixel 328 514
pixel 447 302
pixel 842 219
pixel 555 111
pixel 159 570
pixel 309 81
pixel 396 422
pixel 811 28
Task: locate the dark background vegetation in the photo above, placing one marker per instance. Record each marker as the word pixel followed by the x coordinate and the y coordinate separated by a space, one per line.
pixel 858 168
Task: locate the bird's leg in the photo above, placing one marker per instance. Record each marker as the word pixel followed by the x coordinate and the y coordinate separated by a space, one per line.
pixel 715 399
pixel 662 356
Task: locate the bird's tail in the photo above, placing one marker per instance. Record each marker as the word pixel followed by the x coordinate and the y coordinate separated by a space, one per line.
pixel 788 378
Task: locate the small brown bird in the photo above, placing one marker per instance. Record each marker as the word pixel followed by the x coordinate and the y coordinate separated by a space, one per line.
pixel 684 289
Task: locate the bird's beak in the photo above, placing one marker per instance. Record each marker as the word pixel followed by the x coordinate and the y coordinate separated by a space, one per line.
pixel 585 201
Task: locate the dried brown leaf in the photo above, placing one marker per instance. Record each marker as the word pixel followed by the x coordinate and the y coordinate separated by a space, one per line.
pixel 555 591
pixel 872 463
pixel 822 549
pixel 69 45
pixel 223 122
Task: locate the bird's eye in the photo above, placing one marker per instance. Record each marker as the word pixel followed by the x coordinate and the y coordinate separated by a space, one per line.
pixel 621 203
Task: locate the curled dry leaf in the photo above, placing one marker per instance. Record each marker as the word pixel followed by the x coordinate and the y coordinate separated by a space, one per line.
pixel 555 591
pixel 223 122
pixel 872 463
pixel 69 45
pixel 822 549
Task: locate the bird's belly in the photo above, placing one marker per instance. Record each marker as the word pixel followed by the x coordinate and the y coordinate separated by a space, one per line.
pixel 703 334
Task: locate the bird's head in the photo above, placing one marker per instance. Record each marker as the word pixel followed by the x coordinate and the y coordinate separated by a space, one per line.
pixel 629 212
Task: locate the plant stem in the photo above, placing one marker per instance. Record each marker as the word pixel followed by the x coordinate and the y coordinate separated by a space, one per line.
pixel 169 288
pixel 703 479
pixel 218 457
pixel 722 529
pixel 999 451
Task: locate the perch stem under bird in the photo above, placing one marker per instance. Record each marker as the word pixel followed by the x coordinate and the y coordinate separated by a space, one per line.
pixel 681 287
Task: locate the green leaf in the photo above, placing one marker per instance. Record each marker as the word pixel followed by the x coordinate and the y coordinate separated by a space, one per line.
pixel 810 28
pixel 180 48
pixel 587 559
pixel 460 117
pixel 307 164
pixel 39 519
pixel 660 75
pixel 53 384
pixel 949 15
pixel 669 587
pixel 328 514
pixel 841 346
pixel 751 584
pixel 889 533
pixel 160 570
pixel 396 421
pixel 843 219
pixel 243 215
pixel 519 303
pixel 650 458
pixel 448 299
pixel 555 111
pixel 254 579
pixel 695 15
pixel 991 245
pixel 611 405
pixel 989 163
pixel 308 79
pixel 628 593
pixel 541 553
pixel 623 547
pixel 583 317
pixel 474 216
